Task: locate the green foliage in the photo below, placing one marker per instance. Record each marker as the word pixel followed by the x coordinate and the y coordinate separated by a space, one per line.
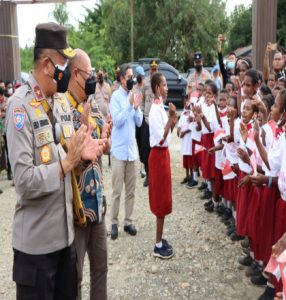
pixel 60 13
pixel 171 30
pixel 240 33
pixel 281 25
pixel 26 55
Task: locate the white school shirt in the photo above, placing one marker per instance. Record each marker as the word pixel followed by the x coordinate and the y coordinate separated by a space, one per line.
pixel 277 161
pixel 219 155
pixel 196 134
pixel 210 114
pixel 245 167
pixel 269 141
pixel 186 141
pixel 157 122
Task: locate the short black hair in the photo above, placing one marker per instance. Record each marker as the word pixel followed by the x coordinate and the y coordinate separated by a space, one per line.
pixel 232 83
pixel 254 76
pixel 224 91
pixel 213 87
pixel 231 53
pixel 156 80
pixel 268 100
pixel 2 91
pixel 123 70
pixel 265 90
pixel 282 79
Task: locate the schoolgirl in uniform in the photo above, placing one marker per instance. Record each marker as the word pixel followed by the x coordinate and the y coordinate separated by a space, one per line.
pixel 275 160
pixel 184 132
pixel 208 123
pixel 160 185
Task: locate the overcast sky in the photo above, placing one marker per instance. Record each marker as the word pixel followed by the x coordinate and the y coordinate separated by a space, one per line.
pixel 29 15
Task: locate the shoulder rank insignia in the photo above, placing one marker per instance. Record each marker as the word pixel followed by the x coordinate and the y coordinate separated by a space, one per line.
pixel 34 103
pixel 38 93
pixel 19 117
pixel 45 154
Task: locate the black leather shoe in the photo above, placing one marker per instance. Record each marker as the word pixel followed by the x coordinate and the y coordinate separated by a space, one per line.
pixel 209 203
pixel 268 294
pixel 207 195
pixel 145 183
pixel 245 260
pixel 235 237
pixel 114 232
pixel 210 208
pixel 259 280
pixel 203 186
pixel 220 209
pixel 191 184
pixel 130 229
pixel 253 270
pixel 9 176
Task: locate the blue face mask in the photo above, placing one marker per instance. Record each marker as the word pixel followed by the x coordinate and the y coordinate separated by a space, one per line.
pixel 230 65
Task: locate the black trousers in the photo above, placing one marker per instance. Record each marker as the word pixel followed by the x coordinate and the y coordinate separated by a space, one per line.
pixel 145 145
pixel 50 276
pixel 8 161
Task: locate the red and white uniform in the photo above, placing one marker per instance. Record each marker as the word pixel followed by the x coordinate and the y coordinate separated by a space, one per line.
pixel 186 141
pixel 160 184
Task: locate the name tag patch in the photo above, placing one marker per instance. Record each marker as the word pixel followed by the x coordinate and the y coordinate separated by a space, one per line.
pixel 65 118
pixel 19 117
pixel 40 123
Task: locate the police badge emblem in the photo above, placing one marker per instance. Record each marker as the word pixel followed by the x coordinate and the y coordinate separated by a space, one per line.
pixel 19 117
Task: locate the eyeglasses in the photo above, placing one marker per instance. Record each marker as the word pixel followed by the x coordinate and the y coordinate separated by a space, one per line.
pixel 90 74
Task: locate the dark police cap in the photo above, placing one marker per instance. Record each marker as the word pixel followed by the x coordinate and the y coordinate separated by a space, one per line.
pixel 198 56
pixel 53 36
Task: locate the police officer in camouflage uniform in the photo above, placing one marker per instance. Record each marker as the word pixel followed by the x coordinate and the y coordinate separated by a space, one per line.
pixel 43 229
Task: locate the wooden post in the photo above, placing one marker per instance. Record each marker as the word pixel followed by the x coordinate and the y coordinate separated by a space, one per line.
pixel 132 30
pixel 10 68
pixel 264 24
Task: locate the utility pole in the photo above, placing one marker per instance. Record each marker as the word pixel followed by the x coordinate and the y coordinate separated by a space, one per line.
pixel 132 30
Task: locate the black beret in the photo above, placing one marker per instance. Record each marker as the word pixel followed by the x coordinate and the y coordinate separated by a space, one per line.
pixel 53 36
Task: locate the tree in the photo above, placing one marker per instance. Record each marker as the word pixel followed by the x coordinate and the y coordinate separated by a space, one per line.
pixel 240 33
pixel 60 13
pixel 26 55
pixel 171 30
pixel 281 26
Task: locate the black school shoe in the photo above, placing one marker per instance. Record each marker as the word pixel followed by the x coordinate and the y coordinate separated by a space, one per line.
pixel 268 294
pixel 203 186
pixel 210 208
pixel 114 232
pixel 130 229
pixel 220 209
pixel 253 270
pixel 231 229
pixel 245 243
pixel 227 215
pixel 245 260
pixel 145 183
pixel 259 280
pixel 185 180
pixel 236 237
pixel 191 184
pixel 206 195
pixel 210 202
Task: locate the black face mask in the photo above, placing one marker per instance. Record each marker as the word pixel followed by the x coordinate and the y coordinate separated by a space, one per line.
pixel 129 84
pixel 198 68
pixel 139 79
pixel 90 85
pixel 62 76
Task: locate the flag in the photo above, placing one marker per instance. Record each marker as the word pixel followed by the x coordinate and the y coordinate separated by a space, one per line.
pixel 199 148
pixel 273 268
pixel 227 169
pixel 219 134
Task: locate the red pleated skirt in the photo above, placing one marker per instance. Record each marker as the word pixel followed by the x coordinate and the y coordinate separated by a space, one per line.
pixel 253 217
pixel 244 198
pixel 280 219
pixel 196 157
pixel 218 183
pixel 266 223
pixel 160 183
pixel 230 189
pixel 208 160
pixel 187 161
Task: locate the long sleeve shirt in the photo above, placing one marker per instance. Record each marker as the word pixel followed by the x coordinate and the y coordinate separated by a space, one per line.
pixel 124 118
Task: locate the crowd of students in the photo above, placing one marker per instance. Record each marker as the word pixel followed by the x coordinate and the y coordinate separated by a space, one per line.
pixel 236 138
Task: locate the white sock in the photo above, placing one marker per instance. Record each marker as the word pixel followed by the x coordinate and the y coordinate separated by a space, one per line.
pixel 252 254
pixel 195 175
pixel 209 186
pixel 234 214
pixel 228 204
pixel 223 201
pixel 215 203
pixel 159 245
